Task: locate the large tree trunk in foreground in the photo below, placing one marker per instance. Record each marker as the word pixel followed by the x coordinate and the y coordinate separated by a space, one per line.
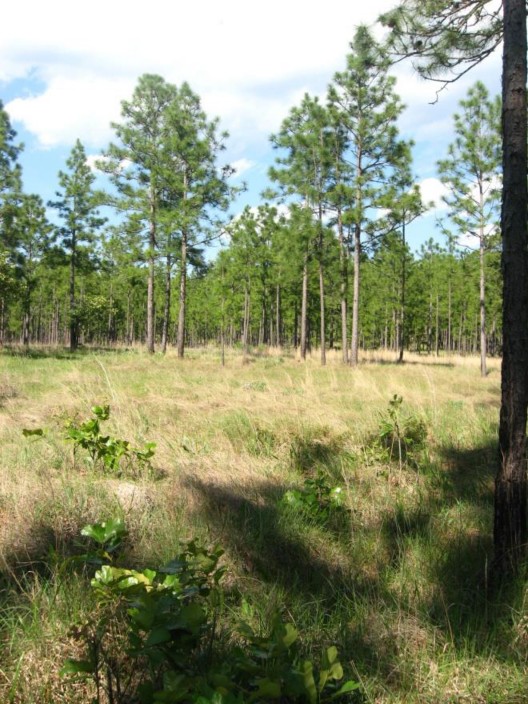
pixel 510 530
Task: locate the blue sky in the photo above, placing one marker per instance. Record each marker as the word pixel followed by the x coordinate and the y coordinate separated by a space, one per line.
pixel 65 66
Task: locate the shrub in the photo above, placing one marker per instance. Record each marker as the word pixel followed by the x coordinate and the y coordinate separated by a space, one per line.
pixel 152 639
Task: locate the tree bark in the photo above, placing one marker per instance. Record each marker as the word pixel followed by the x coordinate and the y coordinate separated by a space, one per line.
pixel 322 290
pixel 304 308
pixel 166 311
pixel 482 304
pixel 73 312
pixel 183 296
pixel 401 330
pixel 343 266
pixel 354 355
pixel 245 332
pixel 510 530
pixel 150 285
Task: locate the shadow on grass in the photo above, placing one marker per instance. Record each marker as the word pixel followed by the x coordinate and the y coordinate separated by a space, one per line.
pixel 266 541
pixel 446 532
pixel 452 526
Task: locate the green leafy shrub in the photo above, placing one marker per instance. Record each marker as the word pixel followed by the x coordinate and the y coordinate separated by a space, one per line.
pixel 152 639
pixel 111 454
pixel 318 499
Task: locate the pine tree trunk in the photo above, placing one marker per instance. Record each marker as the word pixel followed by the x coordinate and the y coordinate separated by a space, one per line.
pixel 150 285
pixel 73 311
pixel 245 331
pixel 437 328
pixel 166 310
pixel 354 356
pixel 183 295
pixel 27 315
pixel 449 343
pixel 278 317
pixel 2 321
pixel 482 303
pixel 321 290
pixel 401 332
pixel 510 529
pixel 304 308
pixel 343 266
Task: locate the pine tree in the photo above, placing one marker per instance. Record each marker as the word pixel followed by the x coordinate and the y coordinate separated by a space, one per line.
pixel 196 186
pixel 31 239
pixel 471 173
pixel 368 108
pixel 445 40
pixel 404 204
pixel 304 172
pixel 77 206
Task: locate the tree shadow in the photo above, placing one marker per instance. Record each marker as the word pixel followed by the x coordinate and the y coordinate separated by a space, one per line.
pixel 454 523
pixel 275 546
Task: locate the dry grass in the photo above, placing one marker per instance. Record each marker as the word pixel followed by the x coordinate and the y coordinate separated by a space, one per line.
pixel 392 585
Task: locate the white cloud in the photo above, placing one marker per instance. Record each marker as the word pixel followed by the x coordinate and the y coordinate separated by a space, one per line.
pixel 92 160
pixel 236 54
pixel 432 190
pixel 241 166
pixel 70 109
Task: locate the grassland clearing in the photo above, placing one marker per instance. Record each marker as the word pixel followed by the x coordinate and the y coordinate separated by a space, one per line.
pixel 396 579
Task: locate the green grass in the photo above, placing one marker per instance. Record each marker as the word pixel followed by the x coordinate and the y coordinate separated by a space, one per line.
pixel 398 583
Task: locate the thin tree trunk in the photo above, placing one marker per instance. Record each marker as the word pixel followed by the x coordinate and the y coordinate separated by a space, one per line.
pixel 27 315
pixel 304 308
pixel 166 310
pixel 73 311
pixel 278 317
pixel 510 529
pixel 321 290
pixel 343 261
pixel 183 295
pixel 401 333
pixel 2 321
pixel 354 356
pixel 150 285
pixel 449 343
pixel 245 332
pixel 482 303
pixel 437 327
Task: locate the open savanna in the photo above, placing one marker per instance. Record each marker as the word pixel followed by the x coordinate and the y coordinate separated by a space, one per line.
pixel 397 580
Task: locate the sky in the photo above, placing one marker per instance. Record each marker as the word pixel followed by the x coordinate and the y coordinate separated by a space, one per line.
pixel 66 66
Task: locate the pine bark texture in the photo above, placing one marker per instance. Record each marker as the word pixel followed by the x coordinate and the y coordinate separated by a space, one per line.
pixel 510 529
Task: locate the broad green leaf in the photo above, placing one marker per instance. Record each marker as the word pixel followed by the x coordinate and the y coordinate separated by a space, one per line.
pixel 290 635
pixel 157 636
pixel 349 686
pixel 309 682
pixel 102 412
pixel 267 689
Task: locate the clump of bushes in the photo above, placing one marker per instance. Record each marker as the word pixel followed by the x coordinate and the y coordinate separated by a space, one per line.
pixel 154 637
